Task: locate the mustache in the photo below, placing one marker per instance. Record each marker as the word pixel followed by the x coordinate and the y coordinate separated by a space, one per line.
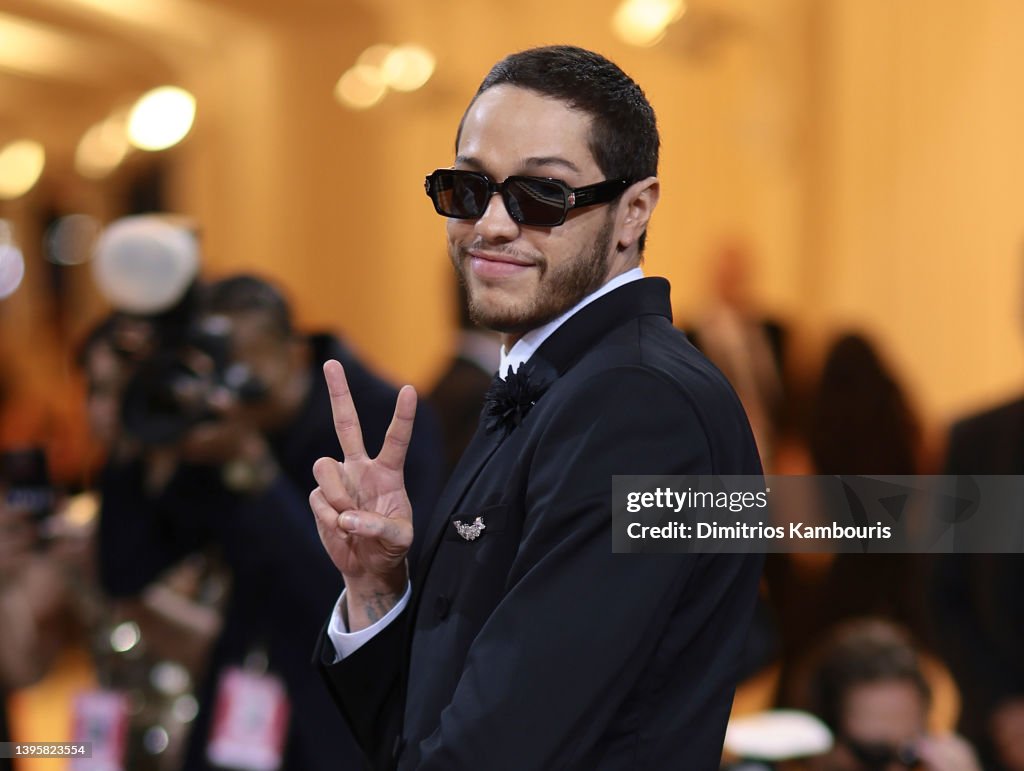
pixel 462 250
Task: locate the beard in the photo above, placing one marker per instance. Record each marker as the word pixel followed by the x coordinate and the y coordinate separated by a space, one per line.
pixel 557 289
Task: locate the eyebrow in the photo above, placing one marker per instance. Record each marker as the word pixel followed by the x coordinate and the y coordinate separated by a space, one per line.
pixel 544 160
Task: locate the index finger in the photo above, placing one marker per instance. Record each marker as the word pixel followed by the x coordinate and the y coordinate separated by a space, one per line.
pixel 346 421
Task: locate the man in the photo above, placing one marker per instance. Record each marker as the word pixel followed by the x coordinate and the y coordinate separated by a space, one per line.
pixel 866 683
pixel 524 643
pixel 982 593
pixel 238 481
pixel 34 602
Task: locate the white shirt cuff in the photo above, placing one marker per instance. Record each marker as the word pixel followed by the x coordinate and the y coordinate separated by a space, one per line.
pixel 345 642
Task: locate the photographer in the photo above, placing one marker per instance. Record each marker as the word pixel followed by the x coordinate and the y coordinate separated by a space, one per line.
pixel 867 685
pixel 218 438
pixel 34 593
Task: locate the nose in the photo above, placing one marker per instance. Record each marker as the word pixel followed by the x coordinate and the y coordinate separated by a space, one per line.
pixel 496 224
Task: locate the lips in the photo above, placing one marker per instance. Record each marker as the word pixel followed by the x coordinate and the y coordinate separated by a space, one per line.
pixel 489 265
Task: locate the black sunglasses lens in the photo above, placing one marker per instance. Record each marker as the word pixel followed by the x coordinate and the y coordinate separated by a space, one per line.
pixel 535 201
pixel 461 195
pixel 530 201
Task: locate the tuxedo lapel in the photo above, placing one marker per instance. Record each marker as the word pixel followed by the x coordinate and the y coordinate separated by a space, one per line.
pixel 646 297
pixel 479 451
pixel 649 296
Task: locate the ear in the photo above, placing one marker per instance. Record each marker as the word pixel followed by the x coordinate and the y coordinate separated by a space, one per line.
pixel 635 210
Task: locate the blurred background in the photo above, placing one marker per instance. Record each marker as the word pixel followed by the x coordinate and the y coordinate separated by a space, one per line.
pixel 827 166
pixel 865 153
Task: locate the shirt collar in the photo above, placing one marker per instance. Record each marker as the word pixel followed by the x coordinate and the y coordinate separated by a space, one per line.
pixel 527 345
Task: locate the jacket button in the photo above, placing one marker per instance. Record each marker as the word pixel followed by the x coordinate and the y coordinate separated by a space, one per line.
pixel 441 606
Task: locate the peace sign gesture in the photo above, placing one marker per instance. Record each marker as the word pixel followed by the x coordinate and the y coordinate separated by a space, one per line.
pixel 362 509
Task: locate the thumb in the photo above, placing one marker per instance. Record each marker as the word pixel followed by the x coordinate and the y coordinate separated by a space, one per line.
pixel 393 533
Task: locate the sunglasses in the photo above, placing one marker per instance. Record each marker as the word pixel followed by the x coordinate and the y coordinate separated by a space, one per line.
pixel 538 201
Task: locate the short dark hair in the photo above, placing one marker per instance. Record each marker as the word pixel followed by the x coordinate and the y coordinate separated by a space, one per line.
pixel 245 293
pixel 861 420
pixel 624 135
pixel 861 652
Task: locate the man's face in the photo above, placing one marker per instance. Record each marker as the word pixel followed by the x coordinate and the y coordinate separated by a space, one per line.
pixel 520 277
pixel 887 714
pixel 275 363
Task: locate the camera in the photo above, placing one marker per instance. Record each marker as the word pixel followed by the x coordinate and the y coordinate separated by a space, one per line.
pixel 26 478
pixel 178 358
pixel 174 388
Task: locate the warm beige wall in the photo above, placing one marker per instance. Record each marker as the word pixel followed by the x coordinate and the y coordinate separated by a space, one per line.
pixel 916 225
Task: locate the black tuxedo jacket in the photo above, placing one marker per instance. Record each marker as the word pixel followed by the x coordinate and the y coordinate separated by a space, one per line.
pixel 534 646
pixel 981 593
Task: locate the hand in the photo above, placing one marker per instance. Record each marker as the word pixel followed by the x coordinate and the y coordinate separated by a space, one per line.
pixel 70 534
pixel 947 753
pixel 228 436
pixel 362 509
pixel 235 443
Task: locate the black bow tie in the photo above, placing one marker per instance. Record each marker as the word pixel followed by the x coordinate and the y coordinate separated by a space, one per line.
pixel 508 401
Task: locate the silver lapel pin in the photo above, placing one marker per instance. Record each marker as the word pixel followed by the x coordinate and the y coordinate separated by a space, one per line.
pixel 470 532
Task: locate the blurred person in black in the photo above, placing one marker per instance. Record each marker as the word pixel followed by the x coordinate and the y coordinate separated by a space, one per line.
pixel 37 557
pixel 39 552
pixel 458 395
pixel 859 421
pixel 977 602
pixel 862 421
pixel 867 685
pixel 240 479
pixel 32 598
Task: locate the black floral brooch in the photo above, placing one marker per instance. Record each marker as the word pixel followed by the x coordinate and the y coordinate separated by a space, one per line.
pixel 507 402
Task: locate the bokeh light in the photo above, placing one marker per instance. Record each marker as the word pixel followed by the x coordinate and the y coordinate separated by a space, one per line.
pixel 21 164
pixel 643 22
pixel 125 636
pixel 12 269
pixel 161 118
pixel 375 55
pixel 407 67
pixel 380 67
pixel 102 148
pixel 70 240
pixel 361 87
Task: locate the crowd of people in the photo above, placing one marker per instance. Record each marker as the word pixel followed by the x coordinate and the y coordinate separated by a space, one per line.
pixel 852 415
